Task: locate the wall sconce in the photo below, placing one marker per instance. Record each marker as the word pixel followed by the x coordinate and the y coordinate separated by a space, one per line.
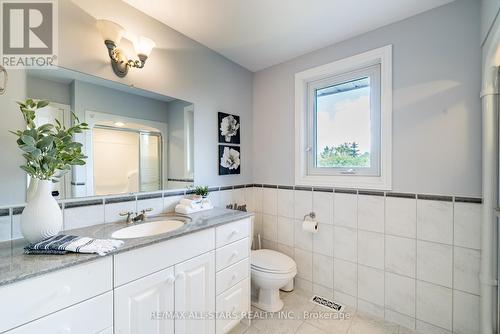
pixel 112 34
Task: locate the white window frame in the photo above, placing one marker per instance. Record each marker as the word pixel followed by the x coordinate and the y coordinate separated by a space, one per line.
pixel 306 83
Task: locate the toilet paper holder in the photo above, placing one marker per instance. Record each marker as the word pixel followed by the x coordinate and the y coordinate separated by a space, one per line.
pixel 311 215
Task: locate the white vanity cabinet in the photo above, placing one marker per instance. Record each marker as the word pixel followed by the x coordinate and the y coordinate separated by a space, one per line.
pixel 195 294
pixel 172 287
pixel 160 303
pixel 143 306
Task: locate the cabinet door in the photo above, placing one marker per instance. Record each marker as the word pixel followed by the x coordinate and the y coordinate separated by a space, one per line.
pixel 195 295
pixel 146 305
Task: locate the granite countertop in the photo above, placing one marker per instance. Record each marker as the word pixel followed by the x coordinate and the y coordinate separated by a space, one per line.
pixel 16 266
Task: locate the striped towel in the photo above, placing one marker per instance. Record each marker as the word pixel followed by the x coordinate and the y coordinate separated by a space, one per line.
pixel 62 244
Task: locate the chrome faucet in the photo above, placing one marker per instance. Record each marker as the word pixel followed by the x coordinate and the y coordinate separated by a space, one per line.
pixel 139 217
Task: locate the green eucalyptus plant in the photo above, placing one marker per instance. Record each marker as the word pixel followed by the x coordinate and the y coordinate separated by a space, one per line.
pixel 49 149
pixel 201 191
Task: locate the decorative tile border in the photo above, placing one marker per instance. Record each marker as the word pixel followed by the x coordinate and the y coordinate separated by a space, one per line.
pixel 435 197
pixel 149 196
pixel 346 191
pixel 4 212
pixel 82 203
pixel 468 200
pixel 371 193
pixel 176 193
pixel 119 199
pixel 401 195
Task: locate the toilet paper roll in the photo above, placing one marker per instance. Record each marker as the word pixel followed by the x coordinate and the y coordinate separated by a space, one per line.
pixel 309 225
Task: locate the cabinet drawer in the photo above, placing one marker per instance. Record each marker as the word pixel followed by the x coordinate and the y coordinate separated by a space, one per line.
pixel 54 291
pixel 235 301
pixel 232 253
pixel 232 275
pixel 89 317
pixel 231 232
pixel 141 262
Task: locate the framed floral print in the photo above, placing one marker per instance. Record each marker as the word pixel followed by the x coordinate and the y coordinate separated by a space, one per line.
pixel 229 128
pixel 229 160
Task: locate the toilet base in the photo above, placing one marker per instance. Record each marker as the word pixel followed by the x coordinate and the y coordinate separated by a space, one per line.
pixel 268 300
pixel 288 287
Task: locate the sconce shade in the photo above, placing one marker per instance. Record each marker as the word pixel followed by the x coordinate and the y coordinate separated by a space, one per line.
pixel 110 31
pixel 144 46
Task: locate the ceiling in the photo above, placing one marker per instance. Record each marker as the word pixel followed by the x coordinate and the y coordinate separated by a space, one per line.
pixel 260 33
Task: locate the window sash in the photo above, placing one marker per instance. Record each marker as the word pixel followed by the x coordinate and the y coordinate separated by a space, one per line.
pixel 372 72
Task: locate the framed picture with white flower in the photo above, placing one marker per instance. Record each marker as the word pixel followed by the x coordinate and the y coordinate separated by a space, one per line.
pixel 229 160
pixel 229 128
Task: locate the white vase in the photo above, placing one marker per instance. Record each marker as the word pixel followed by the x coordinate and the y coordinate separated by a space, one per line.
pixel 42 217
pixel 33 184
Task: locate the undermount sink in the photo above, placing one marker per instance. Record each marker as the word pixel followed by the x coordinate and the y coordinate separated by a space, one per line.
pixel 148 229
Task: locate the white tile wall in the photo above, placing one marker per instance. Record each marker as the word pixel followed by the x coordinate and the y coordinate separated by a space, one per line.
pixel 434 304
pixel 285 203
pixel 5 228
pixel 435 221
pixel 286 231
pixel 345 277
pixel 466 269
pixel 270 227
pixel 323 270
pixel 405 259
pixel 465 321
pixel 400 255
pixel 400 294
pixel 345 210
pixel 401 216
pixel 112 211
pixel 270 201
pixel 371 213
pixel 151 203
pixel 323 242
pixel 83 216
pixel 413 261
pixel 371 249
pixel 303 240
pixel 467 220
pixel 371 285
pixel 323 206
pixel 345 243
pixel 435 263
pixel 302 203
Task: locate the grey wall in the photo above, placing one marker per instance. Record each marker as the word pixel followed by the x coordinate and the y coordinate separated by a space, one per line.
pixel 38 88
pixel 436 112
pixel 178 67
pixel 489 10
pixel 89 97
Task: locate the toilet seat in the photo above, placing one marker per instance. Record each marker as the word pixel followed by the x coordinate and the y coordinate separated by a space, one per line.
pixel 271 271
pixel 272 262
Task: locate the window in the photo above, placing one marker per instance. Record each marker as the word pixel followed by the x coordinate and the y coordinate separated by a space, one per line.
pixel 343 118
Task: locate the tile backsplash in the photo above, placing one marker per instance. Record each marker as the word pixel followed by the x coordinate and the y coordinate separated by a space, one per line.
pixel 411 259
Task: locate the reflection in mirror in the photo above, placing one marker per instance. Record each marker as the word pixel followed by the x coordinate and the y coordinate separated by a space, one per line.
pixel 137 140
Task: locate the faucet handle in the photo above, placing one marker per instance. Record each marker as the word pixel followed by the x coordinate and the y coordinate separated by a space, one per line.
pixel 146 210
pixel 127 214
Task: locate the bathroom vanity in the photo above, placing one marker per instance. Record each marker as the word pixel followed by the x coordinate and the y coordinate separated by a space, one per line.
pixel 169 283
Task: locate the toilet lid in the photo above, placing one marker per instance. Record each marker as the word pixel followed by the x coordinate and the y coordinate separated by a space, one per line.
pixel 272 261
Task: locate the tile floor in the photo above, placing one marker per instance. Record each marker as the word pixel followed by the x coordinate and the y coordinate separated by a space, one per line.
pixel 298 306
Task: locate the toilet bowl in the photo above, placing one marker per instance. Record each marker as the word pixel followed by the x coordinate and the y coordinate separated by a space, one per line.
pixel 270 272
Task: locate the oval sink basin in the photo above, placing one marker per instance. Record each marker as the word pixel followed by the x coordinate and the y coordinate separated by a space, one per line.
pixel 147 229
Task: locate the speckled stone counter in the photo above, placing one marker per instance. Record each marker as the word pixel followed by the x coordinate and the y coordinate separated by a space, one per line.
pixel 16 266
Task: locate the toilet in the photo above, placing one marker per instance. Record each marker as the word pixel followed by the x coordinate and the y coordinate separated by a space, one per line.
pixel 270 272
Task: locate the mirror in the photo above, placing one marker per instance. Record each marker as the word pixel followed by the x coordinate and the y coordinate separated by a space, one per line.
pixel 137 140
